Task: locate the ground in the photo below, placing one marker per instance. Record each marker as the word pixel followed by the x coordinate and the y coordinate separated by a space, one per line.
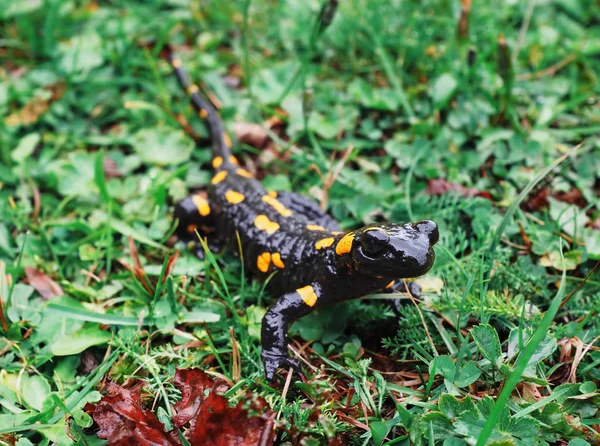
pixel 482 117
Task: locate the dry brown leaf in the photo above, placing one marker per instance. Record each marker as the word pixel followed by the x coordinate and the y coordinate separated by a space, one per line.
pixel 31 111
pixel 43 284
pixel 251 134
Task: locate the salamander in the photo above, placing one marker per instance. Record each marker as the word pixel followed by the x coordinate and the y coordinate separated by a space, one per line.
pixel 287 238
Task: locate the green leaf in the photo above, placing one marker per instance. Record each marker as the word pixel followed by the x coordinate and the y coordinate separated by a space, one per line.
pixel 83 314
pixel 487 341
pixel 588 387
pixel 79 341
pixel 196 317
pixel 270 83
pixel 377 98
pixel 453 441
pixel 444 365
pixel 34 390
pixel 437 423
pixel 546 347
pixel 26 147
pixel 82 53
pixel 443 89
pixel 379 431
pixel 467 374
pixel 162 146
pixel 591 241
pixel 449 405
pixel 126 230
pixel 578 442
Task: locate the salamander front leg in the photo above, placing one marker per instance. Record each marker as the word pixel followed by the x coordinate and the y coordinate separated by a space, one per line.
pixel 275 324
pixel 398 287
pixel 195 218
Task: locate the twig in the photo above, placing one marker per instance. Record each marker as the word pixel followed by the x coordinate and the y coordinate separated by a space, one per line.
pixel 551 70
pixel 579 354
pixel 414 301
pixel 286 387
pixel 566 299
pixel 299 356
pixel 235 356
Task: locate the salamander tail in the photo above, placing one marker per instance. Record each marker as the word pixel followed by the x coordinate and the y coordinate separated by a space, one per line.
pixel 221 142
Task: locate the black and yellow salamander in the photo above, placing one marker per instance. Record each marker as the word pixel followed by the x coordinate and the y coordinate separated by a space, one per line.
pixel 290 237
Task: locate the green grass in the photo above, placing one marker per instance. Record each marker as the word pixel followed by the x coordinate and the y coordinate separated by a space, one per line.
pixel 93 157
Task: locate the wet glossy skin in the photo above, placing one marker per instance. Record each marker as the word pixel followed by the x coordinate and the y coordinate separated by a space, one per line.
pixel 287 237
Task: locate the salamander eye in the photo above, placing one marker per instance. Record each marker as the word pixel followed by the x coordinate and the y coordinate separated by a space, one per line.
pixel 374 241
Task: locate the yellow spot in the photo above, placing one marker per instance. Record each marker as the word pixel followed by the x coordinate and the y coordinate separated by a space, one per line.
pixel 315 228
pixel 345 244
pixel 273 194
pixel 226 139
pixel 337 232
pixel 263 223
pixel 217 162
pixel 192 89
pixel 244 173
pixel 203 114
pixel 192 228
pixel 201 205
pixel 233 160
pixel 277 205
pixel 308 295
pixel 220 176
pixel 176 63
pixel 276 259
pixel 234 197
pixel 391 284
pixel 324 243
pixel 263 262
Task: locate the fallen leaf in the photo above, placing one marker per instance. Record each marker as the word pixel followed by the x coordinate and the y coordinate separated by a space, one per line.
pixel 192 383
pixel 43 284
pixel 37 106
pixel 441 186
pixel 202 412
pixel 217 424
pixel 251 134
pixel 537 201
pixel 111 169
pixel 212 421
pixel 553 259
pixel 572 196
pixel 123 421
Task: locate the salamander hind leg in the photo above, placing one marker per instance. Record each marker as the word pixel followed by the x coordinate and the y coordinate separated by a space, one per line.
pixel 196 218
pixel 300 204
pixel 275 324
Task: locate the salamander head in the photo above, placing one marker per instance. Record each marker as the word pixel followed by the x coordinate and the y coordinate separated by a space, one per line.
pixel 392 251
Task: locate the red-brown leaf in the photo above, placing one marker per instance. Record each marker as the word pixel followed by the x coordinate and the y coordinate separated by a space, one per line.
pixel 206 415
pixel 441 186
pixel 217 424
pixel 192 383
pixel 43 284
pixel 123 421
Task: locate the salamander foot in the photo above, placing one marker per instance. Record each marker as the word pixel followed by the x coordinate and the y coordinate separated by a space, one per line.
pixel 273 361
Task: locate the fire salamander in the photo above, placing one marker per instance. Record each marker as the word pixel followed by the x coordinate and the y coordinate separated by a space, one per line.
pixel 289 238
